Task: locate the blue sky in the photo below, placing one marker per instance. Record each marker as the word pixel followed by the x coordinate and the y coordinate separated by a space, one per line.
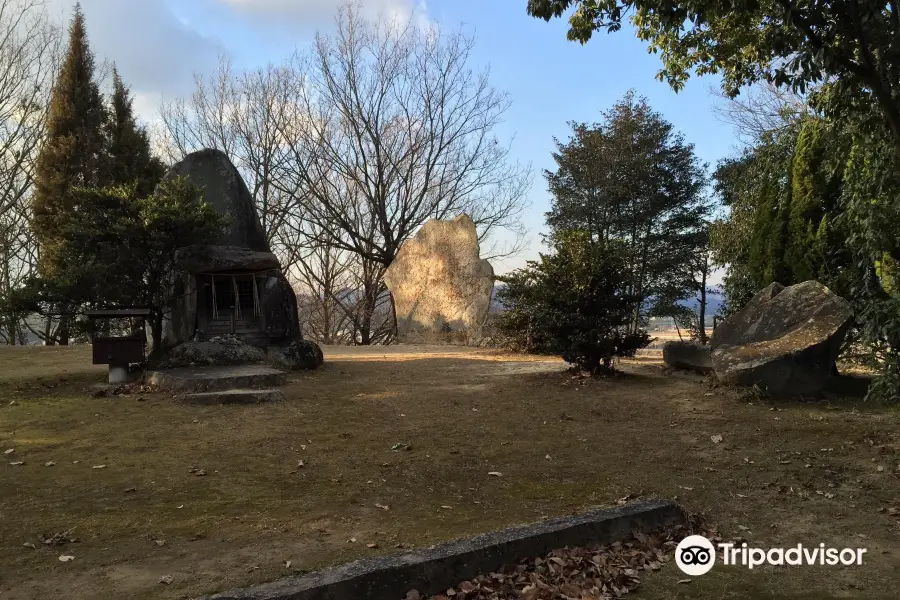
pixel 159 44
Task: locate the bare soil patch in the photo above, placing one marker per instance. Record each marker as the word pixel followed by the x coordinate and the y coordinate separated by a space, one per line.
pixel 396 445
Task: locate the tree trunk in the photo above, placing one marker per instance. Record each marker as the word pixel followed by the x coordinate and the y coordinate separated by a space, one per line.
pixel 156 322
pixel 48 330
pixel 365 328
pixel 703 339
pixel 62 331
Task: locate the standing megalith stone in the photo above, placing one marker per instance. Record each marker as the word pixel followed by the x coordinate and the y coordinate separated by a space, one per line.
pixel 785 340
pixel 224 189
pixel 438 280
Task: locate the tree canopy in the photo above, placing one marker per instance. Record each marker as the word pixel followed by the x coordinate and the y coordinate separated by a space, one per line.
pixel 128 157
pixel 122 246
pixel 634 180
pixel 853 44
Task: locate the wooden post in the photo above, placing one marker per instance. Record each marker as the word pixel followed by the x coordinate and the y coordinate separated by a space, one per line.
pixel 232 320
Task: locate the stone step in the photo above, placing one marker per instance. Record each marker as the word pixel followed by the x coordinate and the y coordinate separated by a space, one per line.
pixel 233 396
pixel 216 379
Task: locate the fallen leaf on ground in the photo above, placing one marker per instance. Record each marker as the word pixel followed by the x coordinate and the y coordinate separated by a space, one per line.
pixel 10 451
pixel 352 540
pixel 29 545
pixel 66 558
pixel 444 506
pixel 715 440
pixel 684 581
pixel 49 463
pixel 159 542
pixel 166 579
pixel 299 464
pixel 17 463
pixel 382 506
pixel 99 467
pixel 287 564
pixel 495 474
pixel 59 539
pixel 372 545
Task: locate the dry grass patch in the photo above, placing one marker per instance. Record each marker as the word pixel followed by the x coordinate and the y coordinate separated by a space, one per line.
pixel 451 415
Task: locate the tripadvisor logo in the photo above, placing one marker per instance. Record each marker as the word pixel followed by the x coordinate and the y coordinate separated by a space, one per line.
pixel 695 555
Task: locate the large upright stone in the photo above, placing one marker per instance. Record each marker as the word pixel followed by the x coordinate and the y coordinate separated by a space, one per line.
pixel 224 189
pixel 438 279
pixel 240 256
pixel 785 340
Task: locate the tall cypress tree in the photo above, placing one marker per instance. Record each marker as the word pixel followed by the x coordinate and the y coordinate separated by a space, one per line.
pixel 128 157
pixel 71 156
pixel 72 152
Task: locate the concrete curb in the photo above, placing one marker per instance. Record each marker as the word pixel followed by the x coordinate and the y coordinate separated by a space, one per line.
pixel 433 570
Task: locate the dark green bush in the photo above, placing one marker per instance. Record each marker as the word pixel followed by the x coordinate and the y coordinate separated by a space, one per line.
pixel 574 303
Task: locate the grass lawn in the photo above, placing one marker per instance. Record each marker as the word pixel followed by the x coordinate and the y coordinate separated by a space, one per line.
pixel 562 445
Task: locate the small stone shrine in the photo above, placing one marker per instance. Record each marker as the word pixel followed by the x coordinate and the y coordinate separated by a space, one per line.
pixel 233 290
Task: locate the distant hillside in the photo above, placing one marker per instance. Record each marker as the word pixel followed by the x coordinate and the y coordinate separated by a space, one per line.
pixel 714 302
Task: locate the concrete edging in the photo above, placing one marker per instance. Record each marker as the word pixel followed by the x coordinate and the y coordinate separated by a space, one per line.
pixel 432 570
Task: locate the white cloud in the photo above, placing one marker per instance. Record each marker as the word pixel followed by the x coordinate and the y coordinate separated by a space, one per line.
pixel 317 12
pixel 159 45
pixel 156 53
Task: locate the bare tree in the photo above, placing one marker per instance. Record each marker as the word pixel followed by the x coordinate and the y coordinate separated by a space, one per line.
pixel 390 127
pixel 761 109
pixel 241 114
pixel 29 56
pixel 349 149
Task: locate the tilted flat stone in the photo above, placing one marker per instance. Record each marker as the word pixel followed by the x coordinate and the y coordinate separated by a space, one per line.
pixel 689 356
pixel 204 379
pixel 785 340
pixel 741 327
pixel 438 278
pixel 236 396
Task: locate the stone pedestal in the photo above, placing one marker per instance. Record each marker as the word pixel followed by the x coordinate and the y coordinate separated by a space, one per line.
pixel 118 374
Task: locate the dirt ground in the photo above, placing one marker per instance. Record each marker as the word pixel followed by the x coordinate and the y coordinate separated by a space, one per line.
pixel 396 445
